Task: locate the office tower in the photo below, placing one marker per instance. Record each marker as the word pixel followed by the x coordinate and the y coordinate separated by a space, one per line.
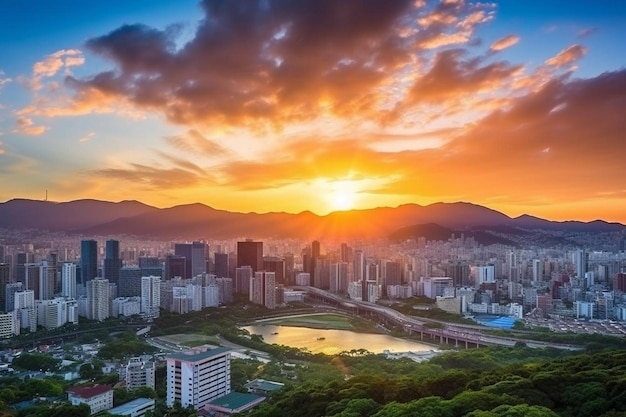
pixel 225 286
pixel 9 299
pixel 276 265
pixel 18 273
pixel 4 281
pixel 537 270
pixel 242 279
pixel 151 266
pixel 25 307
pixel 139 374
pixel 580 263
pixel 150 296
pixel 315 256
pixel 31 279
pixel 485 274
pixel 88 261
pixel 250 253
pixel 130 281
pixel 195 257
pixel 459 272
pixel 68 280
pixel 183 250
pixel 321 274
pixel 112 261
pixel 619 283
pixel 372 272
pixel 47 280
pixel 511 261
pixel 196 379
pixel 290 275
pixel 221 265
pixel 339 277
pixel 53 270
pixel 175 266
pixel 358 266
pixel 98 294
pixel 393 273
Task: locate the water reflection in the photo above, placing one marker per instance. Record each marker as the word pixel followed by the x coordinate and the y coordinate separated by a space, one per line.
pixel 332 342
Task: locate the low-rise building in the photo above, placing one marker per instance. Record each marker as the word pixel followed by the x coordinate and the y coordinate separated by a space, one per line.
pixel 135 408
pixel 97 397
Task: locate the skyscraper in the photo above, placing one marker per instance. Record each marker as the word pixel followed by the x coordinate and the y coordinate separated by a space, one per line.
pixel 4 280
pixel 98 299
pixel 250 253
pixel 112 261
pixel 150 296
pixel 195 257
pixel 175 266
pixel 88 261
pixel 68 280
pixel 221 265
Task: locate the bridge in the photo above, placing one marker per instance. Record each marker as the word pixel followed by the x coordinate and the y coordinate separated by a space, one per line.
pixel 461 335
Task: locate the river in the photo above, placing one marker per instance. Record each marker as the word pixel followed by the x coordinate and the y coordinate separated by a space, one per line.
pixel 332 342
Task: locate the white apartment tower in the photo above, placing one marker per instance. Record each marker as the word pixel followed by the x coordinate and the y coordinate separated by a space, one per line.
pixel 68 280
pixel 98 299
pixel 150 295
pixel 196 379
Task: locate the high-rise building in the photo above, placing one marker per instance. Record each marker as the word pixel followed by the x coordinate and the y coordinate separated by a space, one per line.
pixel 47 280
pixel 9 299
pixel 196 379
pixel 221 265
pixel 263 289
pixel 112 261
pixel 276 265
pixel 150 296
pixel 31 278
pixel 130 281
pixel 358 266
pixel 183 250
pixel 250 253
pixel 538 269
pixel 88 261
pixel 175 266
pixel 98 295
pixel 339 277
pixel 68 280
pixel 485 274
pixel 5 278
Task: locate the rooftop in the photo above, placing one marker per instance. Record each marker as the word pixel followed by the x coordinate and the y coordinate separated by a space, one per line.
pixel 89 391
pixel 237 401
pixel 127 408
pixel 194 357
pixel 263 385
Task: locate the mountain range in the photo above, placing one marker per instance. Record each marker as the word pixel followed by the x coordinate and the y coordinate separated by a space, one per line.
pixel 198 221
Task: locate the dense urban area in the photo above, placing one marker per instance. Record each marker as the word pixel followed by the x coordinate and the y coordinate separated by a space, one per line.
pixel 121 326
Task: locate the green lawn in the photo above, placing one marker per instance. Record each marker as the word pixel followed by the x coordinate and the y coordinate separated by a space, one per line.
pixel 190 340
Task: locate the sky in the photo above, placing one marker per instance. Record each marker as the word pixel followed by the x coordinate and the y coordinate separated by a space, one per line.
pixel 282 105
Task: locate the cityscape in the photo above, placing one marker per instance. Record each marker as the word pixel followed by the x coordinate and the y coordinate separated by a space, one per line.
pixel 312 208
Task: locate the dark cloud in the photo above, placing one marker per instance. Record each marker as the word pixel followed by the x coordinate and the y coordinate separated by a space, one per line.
pixel 272 62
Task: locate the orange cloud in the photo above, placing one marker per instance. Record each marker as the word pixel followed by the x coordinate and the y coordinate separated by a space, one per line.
pixel 567 56
pixel 26 126
pixel 504 43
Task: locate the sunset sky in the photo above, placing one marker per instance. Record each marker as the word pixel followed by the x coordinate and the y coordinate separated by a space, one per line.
pixel 317 105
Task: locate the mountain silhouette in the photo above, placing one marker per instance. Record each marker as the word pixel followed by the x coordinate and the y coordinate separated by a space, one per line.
pixel 196 221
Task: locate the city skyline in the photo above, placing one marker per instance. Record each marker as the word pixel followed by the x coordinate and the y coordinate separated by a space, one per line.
pixel 322 106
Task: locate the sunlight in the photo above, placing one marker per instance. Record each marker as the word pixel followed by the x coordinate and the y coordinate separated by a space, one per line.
pixel 342 196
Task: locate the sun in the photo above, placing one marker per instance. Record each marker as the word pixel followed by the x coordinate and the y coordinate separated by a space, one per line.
pixel 343 195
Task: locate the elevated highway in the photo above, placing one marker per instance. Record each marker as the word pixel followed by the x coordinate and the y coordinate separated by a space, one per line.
pixel 435 330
